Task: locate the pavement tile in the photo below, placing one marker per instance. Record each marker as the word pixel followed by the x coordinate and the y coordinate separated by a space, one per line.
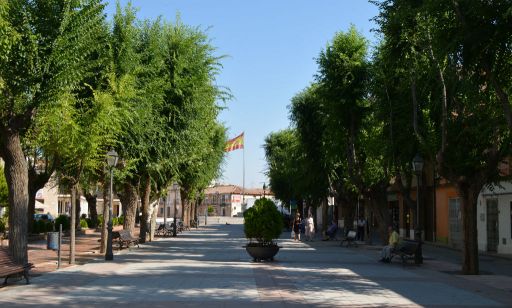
pixel 208 267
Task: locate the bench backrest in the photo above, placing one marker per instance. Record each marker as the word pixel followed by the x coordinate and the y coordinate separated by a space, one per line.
pixel 124 234
pixel 409 247
pixel 5 258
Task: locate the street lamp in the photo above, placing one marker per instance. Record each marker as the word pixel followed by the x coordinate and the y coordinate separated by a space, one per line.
pixel 175 189
pixel 112 162
pixel 264 187
pixel 417 166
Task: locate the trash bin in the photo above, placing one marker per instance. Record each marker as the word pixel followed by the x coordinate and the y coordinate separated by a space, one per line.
pixel 52 240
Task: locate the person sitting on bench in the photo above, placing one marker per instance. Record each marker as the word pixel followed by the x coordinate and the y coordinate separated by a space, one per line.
pixel 392 243
pixel 331 231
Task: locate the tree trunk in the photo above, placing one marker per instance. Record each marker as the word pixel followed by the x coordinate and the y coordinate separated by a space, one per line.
pixel 130 198
pixel 72 226
pixel 104 231
pixel 145 209
pixel 379 205
pixel 36 181
pixel 31 210
pixel 154 213
pixel 193 210
pixel 469 194
pixel 16 175
pixel 78 207
pixel 325 223
pixel 92 201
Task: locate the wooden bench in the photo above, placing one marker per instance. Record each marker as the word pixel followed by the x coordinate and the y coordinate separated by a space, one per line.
pixel 9 268
pixel 405 250
pixel 350 239
pixel 182 227
pixel 194 223
pixel 124 238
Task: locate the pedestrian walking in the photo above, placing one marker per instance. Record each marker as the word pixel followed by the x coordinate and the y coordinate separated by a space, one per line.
pixel 296 227
pixel 310 228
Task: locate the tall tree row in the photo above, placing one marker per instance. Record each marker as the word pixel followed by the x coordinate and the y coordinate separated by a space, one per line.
pixel 438 84
pixel 72 88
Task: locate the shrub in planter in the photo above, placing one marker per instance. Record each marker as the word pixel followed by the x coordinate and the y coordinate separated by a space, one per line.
pixel 84 224
pixel 262 223
pixel 64 221
pixel 120 220
pixel 100 220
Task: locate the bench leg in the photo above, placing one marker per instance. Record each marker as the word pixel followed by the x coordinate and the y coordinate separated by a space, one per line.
pixel 25 274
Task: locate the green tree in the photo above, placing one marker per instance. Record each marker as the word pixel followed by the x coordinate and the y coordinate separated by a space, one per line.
pixel 307 113
pixel 343 77
pixel 284 160
pixel 43 64
pixel 471 135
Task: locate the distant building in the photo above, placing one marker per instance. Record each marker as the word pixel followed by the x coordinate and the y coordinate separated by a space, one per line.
pixel 230 200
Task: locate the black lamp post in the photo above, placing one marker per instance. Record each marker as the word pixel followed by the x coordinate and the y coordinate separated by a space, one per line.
pixel 417 166
pixel 264 188
pixel 175 189
pixel 112 162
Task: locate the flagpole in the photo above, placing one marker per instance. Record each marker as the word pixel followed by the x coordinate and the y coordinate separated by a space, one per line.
pixel 243 174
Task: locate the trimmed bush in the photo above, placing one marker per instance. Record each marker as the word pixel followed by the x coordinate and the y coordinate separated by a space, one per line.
pixel 49 226
pixel 114 221
pixel 100 220
pixel 39 226
pixel 64 221
pixel 263 222
pixel 84 224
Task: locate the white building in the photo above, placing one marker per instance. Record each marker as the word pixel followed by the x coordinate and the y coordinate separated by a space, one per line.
pixel 230 200
pixel 495 219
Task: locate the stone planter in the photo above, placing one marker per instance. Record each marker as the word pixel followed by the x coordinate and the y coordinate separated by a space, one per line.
pixel 262 253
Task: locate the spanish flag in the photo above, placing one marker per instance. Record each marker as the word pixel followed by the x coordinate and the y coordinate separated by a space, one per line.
pixel 235 143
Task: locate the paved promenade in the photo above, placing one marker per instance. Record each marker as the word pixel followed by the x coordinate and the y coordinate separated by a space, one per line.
pixel 209 268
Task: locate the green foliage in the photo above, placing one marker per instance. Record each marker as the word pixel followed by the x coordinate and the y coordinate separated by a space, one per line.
pixel 64 221
pixel 263 222
pixel 120 220
pixel 84 224
pixel 49 226
pixel 284 159
pixel 210 209
pixel 39 226
pixel 100 220
pixel 4 220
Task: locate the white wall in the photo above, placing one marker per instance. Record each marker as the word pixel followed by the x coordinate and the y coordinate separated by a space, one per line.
pixel 504 196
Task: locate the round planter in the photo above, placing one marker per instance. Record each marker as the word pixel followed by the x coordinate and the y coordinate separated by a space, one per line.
pixel 262 253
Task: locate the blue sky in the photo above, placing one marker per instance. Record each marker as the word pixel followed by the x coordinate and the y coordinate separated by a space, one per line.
pixel 271 48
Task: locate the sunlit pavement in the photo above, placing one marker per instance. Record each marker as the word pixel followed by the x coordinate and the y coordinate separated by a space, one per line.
pixel 210 268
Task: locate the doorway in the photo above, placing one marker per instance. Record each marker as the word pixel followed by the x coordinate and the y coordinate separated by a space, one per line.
pixel 492 225
pixel 455 220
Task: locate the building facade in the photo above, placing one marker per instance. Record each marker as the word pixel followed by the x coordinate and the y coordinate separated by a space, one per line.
pixel 230 200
